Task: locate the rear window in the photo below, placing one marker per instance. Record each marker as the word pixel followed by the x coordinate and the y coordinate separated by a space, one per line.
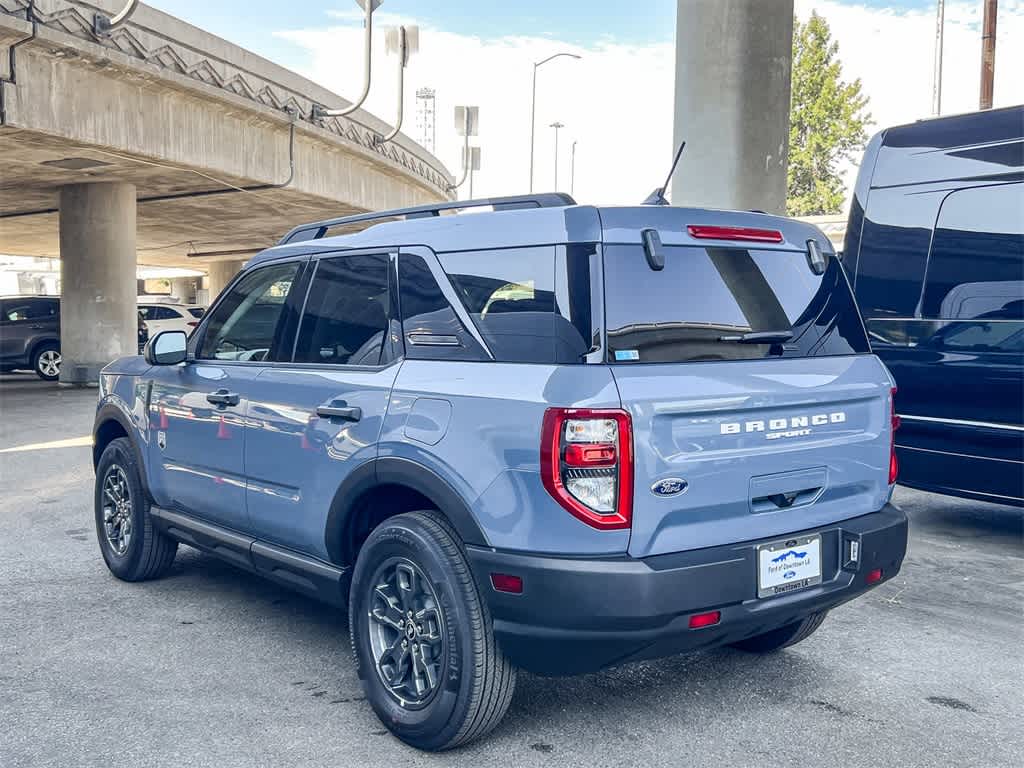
pixel 707 301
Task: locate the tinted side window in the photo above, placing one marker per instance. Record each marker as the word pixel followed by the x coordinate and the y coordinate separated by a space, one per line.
pixel 894 250
pixel 346 317
pixel 432 329
pixel 29 309
pixel 511 296
pixel 245 325
pixel 976 269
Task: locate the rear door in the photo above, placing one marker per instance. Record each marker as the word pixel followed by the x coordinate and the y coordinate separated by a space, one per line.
pixel 314 419
pixel 743 437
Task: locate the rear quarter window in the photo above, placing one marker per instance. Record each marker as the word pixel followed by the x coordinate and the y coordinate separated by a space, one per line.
pixel 706 299
pixel 531 305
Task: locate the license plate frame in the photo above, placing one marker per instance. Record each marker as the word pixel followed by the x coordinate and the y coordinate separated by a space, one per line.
pixel 797 555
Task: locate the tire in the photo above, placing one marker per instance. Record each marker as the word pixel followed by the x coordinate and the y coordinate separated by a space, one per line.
pixel 144 553
pixel 783 637
pixel 46 361
pixel 474 680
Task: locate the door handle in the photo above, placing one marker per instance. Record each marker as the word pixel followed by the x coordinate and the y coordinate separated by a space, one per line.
pixel 338 409
pixel 223 397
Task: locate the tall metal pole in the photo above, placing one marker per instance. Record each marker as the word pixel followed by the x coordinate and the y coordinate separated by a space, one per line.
pixel 533 105
pixel 940 36
pixel 988 53
pixel 572 170
pixel 557 126
pixel 533 122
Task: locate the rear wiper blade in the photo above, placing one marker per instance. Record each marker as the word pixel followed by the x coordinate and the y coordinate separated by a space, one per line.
pixel 760 337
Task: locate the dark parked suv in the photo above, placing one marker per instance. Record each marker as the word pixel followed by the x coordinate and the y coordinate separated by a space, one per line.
pixel 30 335
pixel 551 437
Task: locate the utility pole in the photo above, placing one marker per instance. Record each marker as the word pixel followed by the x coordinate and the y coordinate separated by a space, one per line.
pixel 988 53
pixel 557 126
pixel 940 34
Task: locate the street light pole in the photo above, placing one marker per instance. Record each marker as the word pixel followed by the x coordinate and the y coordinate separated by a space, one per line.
pixel 572 171
pixel 533 105
pixel 557 126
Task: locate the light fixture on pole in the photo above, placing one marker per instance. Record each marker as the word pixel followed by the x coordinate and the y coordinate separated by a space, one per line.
pixel 368 6
pixel 557 126
pixel 404 41
pixel 467 123
pixel 572 170
pixel 533 104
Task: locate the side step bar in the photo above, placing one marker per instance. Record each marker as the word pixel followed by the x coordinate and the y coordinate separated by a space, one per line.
pixel 302 573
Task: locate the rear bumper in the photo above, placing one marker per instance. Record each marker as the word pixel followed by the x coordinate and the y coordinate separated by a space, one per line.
pixel 578 615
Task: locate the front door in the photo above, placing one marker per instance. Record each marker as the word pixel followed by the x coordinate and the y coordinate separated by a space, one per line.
pixel 314 420
pixel 197 408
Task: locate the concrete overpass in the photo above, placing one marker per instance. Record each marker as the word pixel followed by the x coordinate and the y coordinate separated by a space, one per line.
pixel 162 144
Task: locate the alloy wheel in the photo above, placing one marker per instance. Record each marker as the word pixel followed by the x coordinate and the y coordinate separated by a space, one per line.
pixel 117 510
pixel 49 363
pixel 407 636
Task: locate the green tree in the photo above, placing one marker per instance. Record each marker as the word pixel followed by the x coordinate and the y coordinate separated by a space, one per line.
pixel 828 121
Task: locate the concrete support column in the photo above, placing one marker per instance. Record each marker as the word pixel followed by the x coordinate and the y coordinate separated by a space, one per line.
pixel 184 289
pixel 733 66
pixel 98 315
pixel 220 274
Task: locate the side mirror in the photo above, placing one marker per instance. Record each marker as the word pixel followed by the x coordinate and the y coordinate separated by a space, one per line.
pixel 167 348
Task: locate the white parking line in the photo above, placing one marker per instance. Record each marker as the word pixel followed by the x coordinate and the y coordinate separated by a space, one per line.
pixel 73 442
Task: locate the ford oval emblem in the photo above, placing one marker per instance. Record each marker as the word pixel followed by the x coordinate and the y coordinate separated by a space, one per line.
pixel 670 486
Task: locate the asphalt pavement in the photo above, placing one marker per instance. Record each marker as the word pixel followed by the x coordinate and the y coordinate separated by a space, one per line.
pixel 214 667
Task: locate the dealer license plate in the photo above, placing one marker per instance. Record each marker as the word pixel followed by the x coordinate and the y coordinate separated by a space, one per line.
pixel 784 566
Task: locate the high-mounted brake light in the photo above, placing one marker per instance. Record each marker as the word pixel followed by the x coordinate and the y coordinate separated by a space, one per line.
pixel 894 464
pixel 748 234
pixel 586 464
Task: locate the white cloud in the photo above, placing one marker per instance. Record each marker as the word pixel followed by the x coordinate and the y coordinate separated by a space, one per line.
pixel 617 101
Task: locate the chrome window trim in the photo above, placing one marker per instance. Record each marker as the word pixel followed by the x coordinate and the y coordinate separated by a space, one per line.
pixel 964 423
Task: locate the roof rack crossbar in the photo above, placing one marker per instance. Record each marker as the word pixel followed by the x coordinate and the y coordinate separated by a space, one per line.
pixel 318 229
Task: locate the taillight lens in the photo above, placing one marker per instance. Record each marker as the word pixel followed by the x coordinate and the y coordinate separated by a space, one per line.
pixel 586 459
pixel 894 465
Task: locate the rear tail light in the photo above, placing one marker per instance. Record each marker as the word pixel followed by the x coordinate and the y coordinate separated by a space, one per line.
pixel 874 576
pixel 747 234
pixel 192 323
pixel 894 465
pixel 586 460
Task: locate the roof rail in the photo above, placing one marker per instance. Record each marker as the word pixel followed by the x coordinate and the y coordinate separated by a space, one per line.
pixel 318 229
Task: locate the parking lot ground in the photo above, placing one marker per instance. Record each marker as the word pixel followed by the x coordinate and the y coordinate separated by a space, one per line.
pixel 214 667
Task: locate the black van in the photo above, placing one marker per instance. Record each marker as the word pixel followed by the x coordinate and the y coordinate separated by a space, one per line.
pixel 935 246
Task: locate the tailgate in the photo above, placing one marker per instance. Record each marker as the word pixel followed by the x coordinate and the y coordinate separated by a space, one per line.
pixel 763 448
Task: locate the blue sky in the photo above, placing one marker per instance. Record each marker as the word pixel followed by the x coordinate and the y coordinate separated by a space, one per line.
pixel 467 47
pixel 253 23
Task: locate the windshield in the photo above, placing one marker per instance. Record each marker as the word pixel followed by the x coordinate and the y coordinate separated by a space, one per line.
pixel 726 304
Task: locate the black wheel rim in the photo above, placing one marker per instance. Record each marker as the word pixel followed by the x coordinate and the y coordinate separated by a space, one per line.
pixel 117 510
pixel 407 638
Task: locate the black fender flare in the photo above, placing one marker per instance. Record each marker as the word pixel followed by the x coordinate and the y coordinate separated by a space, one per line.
pixel 112 412
pixel 394 470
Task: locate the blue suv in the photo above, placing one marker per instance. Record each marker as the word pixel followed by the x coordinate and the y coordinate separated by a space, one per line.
pixel 544 436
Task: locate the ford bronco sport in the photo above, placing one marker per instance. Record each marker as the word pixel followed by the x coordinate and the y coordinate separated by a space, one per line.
pixel 546 436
